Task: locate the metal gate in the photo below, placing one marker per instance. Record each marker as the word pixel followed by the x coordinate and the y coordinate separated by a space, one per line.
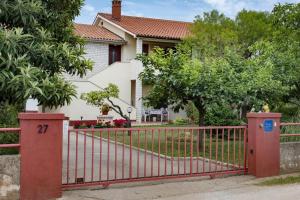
pixel 93 157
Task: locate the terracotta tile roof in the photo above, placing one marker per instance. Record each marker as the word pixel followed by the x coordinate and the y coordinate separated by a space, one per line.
pixel 150 27
pixel 96 33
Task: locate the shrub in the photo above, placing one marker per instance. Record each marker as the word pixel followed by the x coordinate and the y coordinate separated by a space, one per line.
pixel 119 123
pixel 222 116
pixel 83 123
pixel 181 121
pixel 9 118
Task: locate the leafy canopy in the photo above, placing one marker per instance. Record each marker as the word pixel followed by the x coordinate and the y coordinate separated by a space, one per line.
pixel 37 46
pixel 98 98
pixel 211 34
pixel 228 65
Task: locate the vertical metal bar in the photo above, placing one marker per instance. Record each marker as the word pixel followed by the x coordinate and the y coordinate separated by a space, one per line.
pixel 138 155
pixel 84 158
pixel 152 150
pixel 197 147
pixel 228 147
pixel 93 149
pixel 100 159
pixel 116 155
pixel 158 168
pixel 240 141
pixel 166 151
pixel 191 152
pixel 123 155
pixel 204 153
pixel 145 152
pixel 210 148
pixel 172 156
pixel 184 165
pixel 68 158
pixel 178 151
pixel 222 149
pixel 76 159
pixel 245 150
pixel 234 138
pixel 217 140
pixel 130 156
pixel 108 153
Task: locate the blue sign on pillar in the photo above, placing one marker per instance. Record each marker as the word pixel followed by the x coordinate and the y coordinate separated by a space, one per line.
pixel 268 125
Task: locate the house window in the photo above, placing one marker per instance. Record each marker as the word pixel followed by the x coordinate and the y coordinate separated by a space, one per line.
pixel 146 49
pixel 114 54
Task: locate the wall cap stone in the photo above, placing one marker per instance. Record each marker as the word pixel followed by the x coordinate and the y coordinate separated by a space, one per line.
pixel 264 115
pixel 41 116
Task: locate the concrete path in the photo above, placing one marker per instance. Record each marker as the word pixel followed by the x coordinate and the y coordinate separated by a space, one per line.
pixel 230 188
pixel 115 163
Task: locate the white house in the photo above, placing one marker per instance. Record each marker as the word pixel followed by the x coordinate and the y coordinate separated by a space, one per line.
pixel 113 41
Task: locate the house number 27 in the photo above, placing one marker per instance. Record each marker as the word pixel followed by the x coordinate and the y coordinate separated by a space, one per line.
pixel 42 128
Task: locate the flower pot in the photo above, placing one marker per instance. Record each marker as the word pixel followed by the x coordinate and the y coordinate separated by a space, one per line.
pixel 104 112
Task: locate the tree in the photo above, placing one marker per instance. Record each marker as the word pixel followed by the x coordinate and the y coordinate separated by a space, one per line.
pixel 213 84
pixel 37 46
pixel 229 65
pixel 252 26
pixel 286 53
pixel 100 99
pixel 178 79
pixel 211 34
pixel 260 80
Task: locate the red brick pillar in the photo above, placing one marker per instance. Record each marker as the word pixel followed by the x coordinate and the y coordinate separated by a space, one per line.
pixel 264 144
pixel 41 156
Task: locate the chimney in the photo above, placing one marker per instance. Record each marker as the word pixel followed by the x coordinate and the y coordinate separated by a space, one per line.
pixel 116 9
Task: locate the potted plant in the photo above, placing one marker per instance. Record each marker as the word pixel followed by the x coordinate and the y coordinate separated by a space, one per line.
pixel 103 100
pixel 105 109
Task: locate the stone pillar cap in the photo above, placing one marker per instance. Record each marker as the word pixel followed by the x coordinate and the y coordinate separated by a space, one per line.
pixel 264 115
pixel 41 116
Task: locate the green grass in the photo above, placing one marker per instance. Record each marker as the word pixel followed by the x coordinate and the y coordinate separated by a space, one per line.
pixel 165 126
pixel 290 130
pixel 281 181
pixel 186 143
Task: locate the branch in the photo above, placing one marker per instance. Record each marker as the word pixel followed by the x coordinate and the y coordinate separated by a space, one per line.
pixel 117 109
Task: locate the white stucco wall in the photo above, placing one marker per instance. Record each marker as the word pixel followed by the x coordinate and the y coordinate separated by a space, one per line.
pixel 112 28
pixel 118 74
pixel 78 108
pixel 129 50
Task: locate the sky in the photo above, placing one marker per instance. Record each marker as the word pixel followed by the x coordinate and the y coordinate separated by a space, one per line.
pixel 182 10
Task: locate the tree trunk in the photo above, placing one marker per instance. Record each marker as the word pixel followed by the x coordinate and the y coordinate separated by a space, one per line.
pixel 118 110
pixel 43 109
pixel 245 110
pixel 201 123
pixel 128 124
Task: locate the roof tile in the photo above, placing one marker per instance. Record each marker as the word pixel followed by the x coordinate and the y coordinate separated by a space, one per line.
pixel 96 33
pixel 150 27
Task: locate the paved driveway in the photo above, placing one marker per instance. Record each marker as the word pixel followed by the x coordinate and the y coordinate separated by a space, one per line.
pixel 230 188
